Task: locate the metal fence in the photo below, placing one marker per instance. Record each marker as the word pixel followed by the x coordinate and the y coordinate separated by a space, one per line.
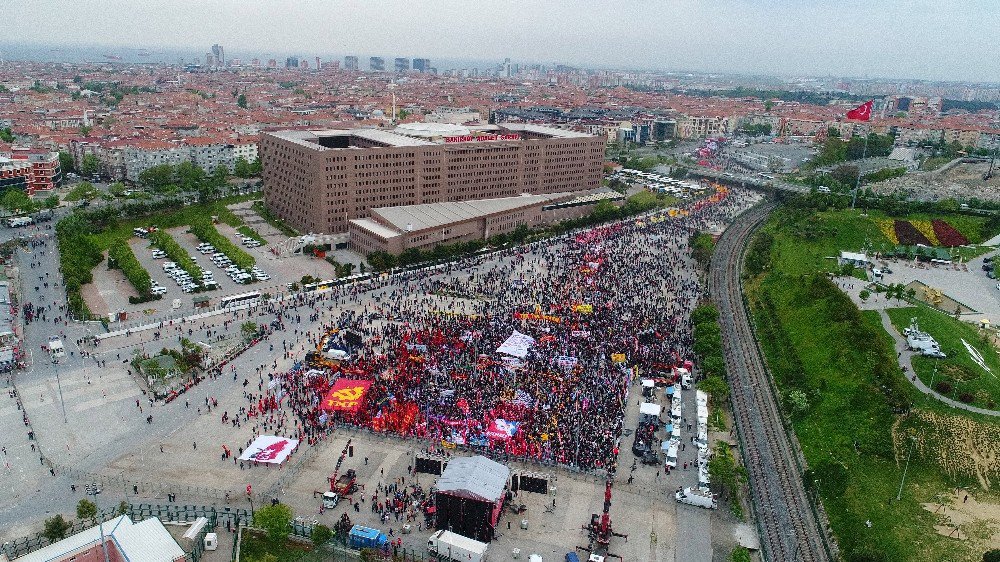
pixel 138 487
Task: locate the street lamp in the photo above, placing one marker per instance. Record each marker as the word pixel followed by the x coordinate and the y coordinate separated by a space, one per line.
pixel 93 490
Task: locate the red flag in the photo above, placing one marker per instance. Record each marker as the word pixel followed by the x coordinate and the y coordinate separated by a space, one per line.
pixel 862 112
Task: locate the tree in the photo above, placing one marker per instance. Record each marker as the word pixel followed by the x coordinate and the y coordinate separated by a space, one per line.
pixel 189 176
pixel 242 168
pixel 90 165
pixel 51 202
pixel 84 191
pixel 15 201
pixel 242 101
pixel 847 175
pixel 86 509
pixel 275 519
pixel 85 130
pixel 991 555
pixel 55 528
pixel 157 177
pixel 65 162
pixel 864 295
pixel 715 387
pixel 381 261
pixel 321 534
pixel 122 508
pixel 117 189
pixel 256 167
pixel 249 329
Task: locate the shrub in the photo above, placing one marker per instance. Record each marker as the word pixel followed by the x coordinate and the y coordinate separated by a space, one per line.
pixel 943 387
pixel 121 257
pixel 966 397
pixel 178 255
pixel 206 232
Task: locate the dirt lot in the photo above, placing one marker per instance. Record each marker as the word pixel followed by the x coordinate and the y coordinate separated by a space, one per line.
pixel 961 182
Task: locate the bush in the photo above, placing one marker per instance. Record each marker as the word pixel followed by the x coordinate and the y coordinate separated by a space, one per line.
pixel 178 255
pixel 966 397
pixel 78 255
pixel 120 256
pixel 206 232
pixel 247 231
pixel 321 534
pixel 943 387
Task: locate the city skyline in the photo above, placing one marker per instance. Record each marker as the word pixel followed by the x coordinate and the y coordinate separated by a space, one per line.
pixel 847 38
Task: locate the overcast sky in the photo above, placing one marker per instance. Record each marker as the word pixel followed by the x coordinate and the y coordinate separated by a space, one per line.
pixel 872 38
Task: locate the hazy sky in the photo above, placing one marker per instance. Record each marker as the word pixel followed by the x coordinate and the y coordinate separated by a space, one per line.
pixel 892 38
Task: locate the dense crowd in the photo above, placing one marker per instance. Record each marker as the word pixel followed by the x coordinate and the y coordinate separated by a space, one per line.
pixel 600 306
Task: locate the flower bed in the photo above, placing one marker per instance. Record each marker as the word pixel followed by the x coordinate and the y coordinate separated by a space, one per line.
pixel 947 235
pixel 927 229
pixel 908 235
pixel 887 228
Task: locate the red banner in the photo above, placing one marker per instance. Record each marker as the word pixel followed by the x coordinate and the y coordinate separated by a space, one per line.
pixel 346 395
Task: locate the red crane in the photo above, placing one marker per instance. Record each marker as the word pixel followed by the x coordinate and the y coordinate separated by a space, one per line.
pixel 599 531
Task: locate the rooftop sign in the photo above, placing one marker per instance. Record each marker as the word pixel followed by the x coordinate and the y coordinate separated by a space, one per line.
pixel 482 138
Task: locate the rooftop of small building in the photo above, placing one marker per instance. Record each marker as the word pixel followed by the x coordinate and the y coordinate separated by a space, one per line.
pixel 428 134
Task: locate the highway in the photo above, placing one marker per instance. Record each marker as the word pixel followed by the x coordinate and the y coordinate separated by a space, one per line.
pixel 789 531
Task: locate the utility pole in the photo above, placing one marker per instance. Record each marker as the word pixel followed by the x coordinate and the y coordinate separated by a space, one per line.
pixel 93 490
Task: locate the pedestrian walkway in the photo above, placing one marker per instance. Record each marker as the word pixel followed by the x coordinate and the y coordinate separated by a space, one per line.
pixel 879 303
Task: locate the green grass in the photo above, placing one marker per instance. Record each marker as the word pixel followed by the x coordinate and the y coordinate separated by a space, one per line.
pixel 958 369
pixel 255 546
pixel 846 432
pixel 934 162
pixel 649 198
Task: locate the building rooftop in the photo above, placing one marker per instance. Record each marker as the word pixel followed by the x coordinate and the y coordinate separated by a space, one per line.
pixel 431 215
pixel 147 540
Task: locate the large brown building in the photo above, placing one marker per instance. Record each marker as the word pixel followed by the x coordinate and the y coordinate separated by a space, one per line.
pixel 317 181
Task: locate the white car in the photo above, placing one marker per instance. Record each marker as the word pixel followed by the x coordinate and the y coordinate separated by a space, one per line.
pixel 159 254
pixel 159 290
pixel 263 277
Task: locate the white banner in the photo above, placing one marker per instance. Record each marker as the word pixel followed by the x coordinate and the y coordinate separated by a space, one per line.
pixel 517 345
pixel 269 448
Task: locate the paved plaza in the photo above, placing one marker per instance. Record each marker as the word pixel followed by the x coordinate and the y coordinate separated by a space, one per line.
pixel 106 434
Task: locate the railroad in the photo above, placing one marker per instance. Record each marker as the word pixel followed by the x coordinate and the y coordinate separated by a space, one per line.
pixel 788 525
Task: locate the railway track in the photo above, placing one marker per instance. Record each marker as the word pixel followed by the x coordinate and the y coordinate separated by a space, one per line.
pixel 788 526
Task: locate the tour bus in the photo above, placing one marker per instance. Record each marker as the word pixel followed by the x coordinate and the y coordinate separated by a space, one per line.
pixel 19 221
pixel 241 299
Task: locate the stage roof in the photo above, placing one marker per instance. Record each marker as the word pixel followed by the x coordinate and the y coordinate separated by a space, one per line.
pixel 477 478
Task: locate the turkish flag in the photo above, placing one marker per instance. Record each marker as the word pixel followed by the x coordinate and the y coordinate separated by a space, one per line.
pixel 862 112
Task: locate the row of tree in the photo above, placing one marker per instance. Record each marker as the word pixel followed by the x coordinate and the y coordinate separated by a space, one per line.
pixel 120 256
pixel 206 232
pixel 836 149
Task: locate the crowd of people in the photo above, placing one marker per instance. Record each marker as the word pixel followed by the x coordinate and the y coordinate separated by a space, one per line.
pixel 600 307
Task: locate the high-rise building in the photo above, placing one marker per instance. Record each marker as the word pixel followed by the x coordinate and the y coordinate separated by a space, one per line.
pixel 376 64
pixel 220 54
pixel 304 64
pixel 210 61
pixel 271 63
pixel 402 64
pixel 350 62
pixel 292 62
pixel 255 62
pixel 422 65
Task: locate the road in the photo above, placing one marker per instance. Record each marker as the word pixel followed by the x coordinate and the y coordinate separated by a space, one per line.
pixel 789 531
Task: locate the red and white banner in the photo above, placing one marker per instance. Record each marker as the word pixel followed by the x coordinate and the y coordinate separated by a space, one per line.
pixel 270 449
pixel 346 395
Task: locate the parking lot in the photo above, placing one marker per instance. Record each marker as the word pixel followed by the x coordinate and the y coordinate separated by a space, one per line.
pixel 966 283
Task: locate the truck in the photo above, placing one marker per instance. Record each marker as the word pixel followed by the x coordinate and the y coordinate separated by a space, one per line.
pixel 366 537
pixel 55 348
pixel 446 545
pixel 696 497
pixel 345 484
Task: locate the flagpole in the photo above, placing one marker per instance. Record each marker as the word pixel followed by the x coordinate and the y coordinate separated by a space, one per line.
pixel 864 154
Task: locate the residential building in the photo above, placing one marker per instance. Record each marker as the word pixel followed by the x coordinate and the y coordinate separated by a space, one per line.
pixel 350 62
pixel 317 181
pixel 376 64
pixel 292 62
pixel 219 53
pixel 31 170
pixel 402 64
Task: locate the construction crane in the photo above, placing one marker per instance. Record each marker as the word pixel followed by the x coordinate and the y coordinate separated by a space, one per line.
pixel 341 485
pixel 599 531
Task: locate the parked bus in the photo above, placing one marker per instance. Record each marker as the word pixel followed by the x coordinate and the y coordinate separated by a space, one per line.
pixel 239 300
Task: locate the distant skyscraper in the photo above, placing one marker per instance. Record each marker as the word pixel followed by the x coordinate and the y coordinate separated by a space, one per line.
pixel 422 65
pixel 376 64
pixel 304 64
pixel 292 62
pixel 220 54
pixel 317 63
pixel 350 63
pixel 210 60
pixel 402 64
pixel 255 62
